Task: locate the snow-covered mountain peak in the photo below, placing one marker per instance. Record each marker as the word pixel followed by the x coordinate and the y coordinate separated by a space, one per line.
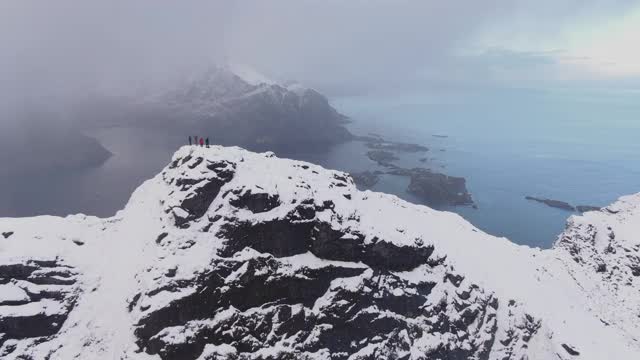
pixel 230 254
pixel 250 74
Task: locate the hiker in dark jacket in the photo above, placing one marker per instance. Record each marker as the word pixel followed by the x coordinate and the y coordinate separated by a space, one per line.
pixel 189 140
pixel 207 142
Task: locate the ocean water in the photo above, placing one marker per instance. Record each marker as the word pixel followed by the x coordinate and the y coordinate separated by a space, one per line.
pixel 582 147
pixel 138 155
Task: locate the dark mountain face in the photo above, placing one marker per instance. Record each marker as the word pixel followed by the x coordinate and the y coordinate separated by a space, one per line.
pixel 230 111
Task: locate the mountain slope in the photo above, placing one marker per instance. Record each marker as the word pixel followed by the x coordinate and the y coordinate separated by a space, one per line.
pixel 231 110
pixel 229 254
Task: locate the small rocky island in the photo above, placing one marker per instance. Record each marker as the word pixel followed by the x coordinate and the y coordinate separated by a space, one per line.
pixel 438 189
pixel 396 146
pixel 382 157
pixel 376 142
pixel 552 203
pixel 563 204
pixel 432 188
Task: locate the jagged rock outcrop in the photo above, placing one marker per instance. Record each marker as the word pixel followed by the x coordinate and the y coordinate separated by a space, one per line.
pixel 229 254
pixel 606 244
pixel 36 296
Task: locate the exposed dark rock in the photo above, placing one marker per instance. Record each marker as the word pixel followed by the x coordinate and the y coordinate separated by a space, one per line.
pixel 161 237
pixel 366 179
pixel 552 203
pixel 436 189
pixel 259 284
pixel 382 157
pixel 223 169
pixel 585 208
pixel 256 203
pixel 195 163
pixel 200 193
pixel 634 265
pixel 286 238
pixel 263 306
pixel 197 205
pixel 40 274
pixel 277 237
pixel 571 350
pixel 7 234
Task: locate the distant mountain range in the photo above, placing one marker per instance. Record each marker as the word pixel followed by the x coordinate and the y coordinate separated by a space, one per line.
pixel 244 109
pixel 230 106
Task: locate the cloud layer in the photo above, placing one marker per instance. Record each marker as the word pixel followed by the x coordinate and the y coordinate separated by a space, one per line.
pixel 71 46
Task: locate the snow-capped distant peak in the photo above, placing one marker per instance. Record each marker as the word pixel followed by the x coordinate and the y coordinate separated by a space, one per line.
pixel 250 75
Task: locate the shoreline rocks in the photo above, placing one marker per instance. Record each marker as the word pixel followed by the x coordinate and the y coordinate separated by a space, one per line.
pixel 376 142
pixel 432 188
pixel 563 205
pixel 439 189
pixel 552 203
pixel 366 179
pixel 382 157
pixel 435 188
pixel 585 208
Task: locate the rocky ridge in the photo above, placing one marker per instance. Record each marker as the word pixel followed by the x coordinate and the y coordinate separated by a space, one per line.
pixel 210 261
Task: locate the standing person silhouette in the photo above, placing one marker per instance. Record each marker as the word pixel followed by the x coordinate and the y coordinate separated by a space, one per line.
pixel 201 141
pixel 207 141
pixel 189 140
pixel 196 140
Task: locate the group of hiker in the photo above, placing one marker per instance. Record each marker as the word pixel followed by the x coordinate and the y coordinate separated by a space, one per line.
pixel 199 141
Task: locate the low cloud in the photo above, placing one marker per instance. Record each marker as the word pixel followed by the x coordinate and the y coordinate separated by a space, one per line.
pixel 68 47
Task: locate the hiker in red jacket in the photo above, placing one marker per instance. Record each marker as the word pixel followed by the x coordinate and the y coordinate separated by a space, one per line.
pixel 201 141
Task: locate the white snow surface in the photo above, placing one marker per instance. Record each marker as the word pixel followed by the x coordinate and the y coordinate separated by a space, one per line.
pixel 593 308
pixel 250 74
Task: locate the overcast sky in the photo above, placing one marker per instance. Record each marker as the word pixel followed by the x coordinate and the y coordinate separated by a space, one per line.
pixel 356 46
